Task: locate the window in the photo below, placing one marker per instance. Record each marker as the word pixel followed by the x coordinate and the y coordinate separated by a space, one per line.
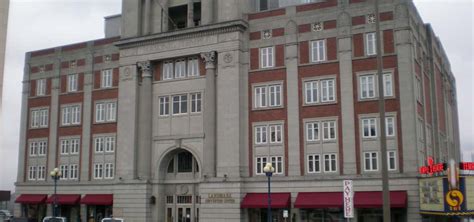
pixel 42 146
pixel 370 161
pixel 164 106
pixel 390 126
pixel 74 172
pixel 388 86
pixel 419 91
pixel 106 78
pixel 260 96
pixel 275 133
pixel 168 70
pixel 369 127
pixel 99 144
pixel 109 144
pixel 327 90
pixel 72 83
pixel 180 104
pixel 367 87
pixel 39 118
pixel 318 51
pixel 329 130
pixel 277 163
pixel 391 157
pixel 312 92
pixel 71 115
pixel 371 48
pixel 64 147
pixel 32 173
pixel 314 164
pixel 266 57
pixel 40 87
pixel 105 112
pixel 109 171
pixel 33 149
pixel 263 99
pixel 330 163
pixel 41 173
pixel 312 131
pixel 64 169
pixel 98 171
pixel 275 95
pixel 180 68
pixel 261 162
pixel 324 88
pixel 195 102
pixel 104 143
pixel 193 66
pixel 185 162
pixel 260 134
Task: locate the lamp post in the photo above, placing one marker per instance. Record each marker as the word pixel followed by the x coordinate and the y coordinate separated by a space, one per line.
pixel 55 174
pixel 268 169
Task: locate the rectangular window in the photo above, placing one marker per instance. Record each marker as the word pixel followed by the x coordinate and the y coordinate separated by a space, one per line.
pixel 260 97
pixel 329 130
pixel 392 157
pixel 64 147
pixel 369 127
pixel 41 173
pixel 32 173
pixel 99 144
pixel 33 148
pixel 180 68
pixel 42 146
pixel 71 115
pixel 106 78
pixel 109 144
pixel 390 126
pixel 312 131
pixel 109 171
pixel 371 48
pixel 371 161
pixel 266 57
pixel 195 102
pixel 330 163
pixel 312 92
pixel 275 133
pixel 318 51
pixel 74 146
pixel 180 104
pixel 419 90
pixel 388 85
pixel 275 95
pixel 277 163
pixel 74 172
pixel 314 163
pixel 72 82
pixel 168 70
pixel 327 90
pixel 260 134
pixel 367 86
pixel 261 162
pixel 40 87
pixel 98 171
pixel 39 118
pixel 64 169
pixel 193 66
pixel 105 112
pixel 164 106
pixel 268 96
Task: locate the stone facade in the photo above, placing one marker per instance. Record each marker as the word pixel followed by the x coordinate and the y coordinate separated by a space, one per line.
pixel 3 40
pixel 190 124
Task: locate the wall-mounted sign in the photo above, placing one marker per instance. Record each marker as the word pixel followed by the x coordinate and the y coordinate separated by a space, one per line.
pixel 432 167
pixel 348 199
pixel 466 165
pixel 220 198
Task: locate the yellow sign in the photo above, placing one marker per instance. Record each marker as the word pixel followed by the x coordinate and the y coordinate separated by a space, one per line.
pixel 431 194
pixel 454 199
pixel 469 193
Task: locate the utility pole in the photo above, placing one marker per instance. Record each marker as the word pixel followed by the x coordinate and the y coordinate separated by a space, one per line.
pixel 383 138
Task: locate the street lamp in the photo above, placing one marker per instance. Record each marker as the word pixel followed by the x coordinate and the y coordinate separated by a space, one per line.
pixel 268 169
pixel 55 174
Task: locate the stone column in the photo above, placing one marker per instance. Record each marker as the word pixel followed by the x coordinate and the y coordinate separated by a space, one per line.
pixel 190 21
pixel 209 150
pixel 24 121
pixel 144 121
pixel 146 18
pixel 207 12
pixel 54 113
pixel 87 110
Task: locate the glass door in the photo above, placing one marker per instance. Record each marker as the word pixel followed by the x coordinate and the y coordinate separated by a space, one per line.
pixel 184 214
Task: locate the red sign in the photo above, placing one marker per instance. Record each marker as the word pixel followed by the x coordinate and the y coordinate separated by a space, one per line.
pixel 432 167
pixel 466 165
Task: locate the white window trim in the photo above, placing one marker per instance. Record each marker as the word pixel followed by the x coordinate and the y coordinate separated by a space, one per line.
pixel 263 130
pixel 168 70
pixel 329 125
pixel 67 117
pixel 36 117
pixel 394 160
pixel 96 172
pixel 330 166
pixel 261 165
pixel 389 77
pixel 313 54
pixel 195 106
pixel 394 126
pixel 372 168
pixel 277 128
pixel 106 78
pixel 318 135
pixel 265 101
pixel 369 127
pixel 108 116
pixel 374 44
pixel 180 102
pixel 108 171
pixel 278 171
pixel 317 85
pixel 41 87
pixel 72 82
pixel 314 164
pixel 163 102
pixel 269 60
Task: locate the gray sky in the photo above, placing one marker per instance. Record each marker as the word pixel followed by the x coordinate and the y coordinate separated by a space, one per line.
pixel 39 24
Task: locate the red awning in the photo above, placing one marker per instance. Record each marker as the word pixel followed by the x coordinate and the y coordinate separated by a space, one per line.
pixel 98 199
pixel 31 198
pixel 319 200
pixel 65 199
pixel 260 200
pixel 373 199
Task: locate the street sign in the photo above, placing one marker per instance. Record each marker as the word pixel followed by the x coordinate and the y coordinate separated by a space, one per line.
pixel 348 199
pixel 285 213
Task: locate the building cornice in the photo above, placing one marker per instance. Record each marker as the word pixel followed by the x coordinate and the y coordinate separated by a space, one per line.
pixel 188 33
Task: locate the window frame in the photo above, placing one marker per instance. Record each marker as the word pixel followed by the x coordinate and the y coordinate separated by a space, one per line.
pixel 106 78
pixel 40 172
pixel 73 172
pixel 313 164
pixel 263 135
pixel 106 114
pixel 387 127
pixel 180 69
pixel 371 167
pixel 181 103
pixel 98 171
pixel 164 105
pixel 330 155
pixel 193 65
pixel 71 114
pixel 168 70
pixel 318 135
pixel 109 171
pixel 40 87
pixel 369 119
pixel 394 160
pixel 278 129
pixel 39 117
pixel 329 122
pixel 388 77
pixel 267 57
pixel 32 173
pixel 317 53
pixel 196 102
pixel 72 82
pixel 370 41
pixel 279 164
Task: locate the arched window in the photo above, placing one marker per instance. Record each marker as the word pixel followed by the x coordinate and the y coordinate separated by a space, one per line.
pixel 183 162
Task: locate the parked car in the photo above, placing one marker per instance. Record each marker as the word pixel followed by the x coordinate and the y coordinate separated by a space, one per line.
pixel 54 219
pixel 5 215
pixel 112 220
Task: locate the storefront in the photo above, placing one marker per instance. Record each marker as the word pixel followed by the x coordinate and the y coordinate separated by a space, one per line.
pixel 68 206
pixel 257 203
pixel 98 206
pixel 33 206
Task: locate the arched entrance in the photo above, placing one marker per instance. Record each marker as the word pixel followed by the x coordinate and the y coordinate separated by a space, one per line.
pixel 180 175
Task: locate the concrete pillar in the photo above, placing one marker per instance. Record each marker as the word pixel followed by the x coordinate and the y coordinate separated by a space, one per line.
pixel 207 12
pixel 54 118
pixel 24 121
pixel 147 18
pixel 145 121
pixel 190 21
pixel 87 110
pixel 209 150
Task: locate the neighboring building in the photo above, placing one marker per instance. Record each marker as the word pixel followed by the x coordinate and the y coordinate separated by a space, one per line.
pixel 175 119
pixel 3 41
pixel 4 199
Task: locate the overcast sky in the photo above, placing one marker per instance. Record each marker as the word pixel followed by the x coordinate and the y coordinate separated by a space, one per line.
pixel 39 24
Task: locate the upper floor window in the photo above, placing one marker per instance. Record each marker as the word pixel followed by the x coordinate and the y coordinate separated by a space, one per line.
pixel 272 133
pixel 328 130
pixel 392 160
pixel 320 91
pixel 388 84
pixel 98 171
pixel 39 118
pixel 314 163
pixel 330 163
pixel 267 57
pixel 71 115
pixel 41 170
pixel 32 173
pixel 263 99
pixel 106 78
pixel 73 172
pixel 40 87
pixel 64 169
pixel 419 90
pixel 277 163
pixel 36 173
pixel 368 86
pixel 104 143
pixel 371 44
pixel 195 102
pixel 193 66
pixel 390 126
pixel 180 104
pixel 263 5
pixel 109 171
pixel 168 70
pixel 370 161
pixel 72 81
pixel 105 112
pixel 164 105
pixel 181 68
pixel 369 127
pixel 38 148
pixel 318 51
pixel 70 146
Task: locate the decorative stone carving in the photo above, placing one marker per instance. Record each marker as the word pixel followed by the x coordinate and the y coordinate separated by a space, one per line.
pixel 145 67
pixel 72 64
pixel 210 59
pixel 344 19
pixel 267 34
pixel 371 18
pixel 228 58
pixel 316 27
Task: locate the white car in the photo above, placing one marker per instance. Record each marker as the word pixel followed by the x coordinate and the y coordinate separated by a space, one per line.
pixel 54 219
pixel 5 215
pixel 112 220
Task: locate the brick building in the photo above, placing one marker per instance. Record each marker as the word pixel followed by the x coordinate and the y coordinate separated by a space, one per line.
pixel 173 115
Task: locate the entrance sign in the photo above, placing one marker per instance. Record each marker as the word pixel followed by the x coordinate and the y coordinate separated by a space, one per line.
pixel 348 199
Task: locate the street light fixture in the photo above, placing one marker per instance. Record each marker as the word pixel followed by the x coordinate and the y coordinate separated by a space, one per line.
pixel 268 169
pixel 55 174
